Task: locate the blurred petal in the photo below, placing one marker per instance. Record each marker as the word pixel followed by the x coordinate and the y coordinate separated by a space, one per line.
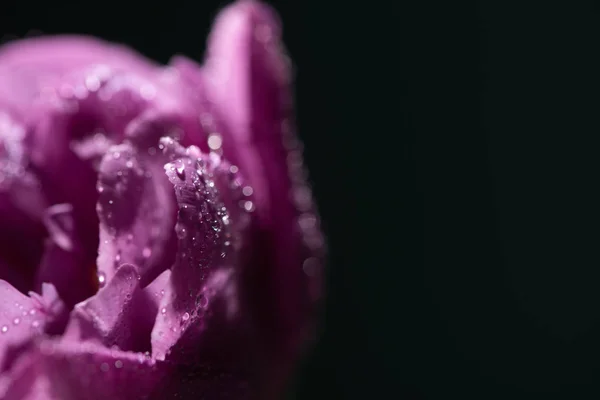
pixel 21 206
pixel 120 314
pixel 137 213
pixel 248 77
pixel 207 247
pixel 65 263
pixel 29 66
pixel 69 371
pixel 24 317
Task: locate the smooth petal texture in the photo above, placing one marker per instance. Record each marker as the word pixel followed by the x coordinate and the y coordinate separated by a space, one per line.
pixel 24 317
pixel 137 213
pixel 248 78
pixel 120 314
pixel 28 67
pixel 207 248
pixel 69 371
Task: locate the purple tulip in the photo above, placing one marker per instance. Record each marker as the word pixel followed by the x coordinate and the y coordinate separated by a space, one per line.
pixel 157 217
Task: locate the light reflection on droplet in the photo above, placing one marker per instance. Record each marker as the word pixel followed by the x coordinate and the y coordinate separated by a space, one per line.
pixel 247 191
pixel 101 279
pixel 248 206
pixel 185 316
pixel 4 329
pixel 215 141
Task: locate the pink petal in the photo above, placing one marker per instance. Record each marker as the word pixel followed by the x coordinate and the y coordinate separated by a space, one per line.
pixel 248 78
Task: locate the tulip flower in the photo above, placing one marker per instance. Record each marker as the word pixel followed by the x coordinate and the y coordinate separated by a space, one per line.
pixel 158 239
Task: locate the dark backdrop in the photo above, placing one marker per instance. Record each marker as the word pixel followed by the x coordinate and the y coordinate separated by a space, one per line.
pixel 453 151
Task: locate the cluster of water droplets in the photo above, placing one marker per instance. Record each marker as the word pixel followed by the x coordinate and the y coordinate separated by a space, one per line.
pixel 13 157
pixel 23 315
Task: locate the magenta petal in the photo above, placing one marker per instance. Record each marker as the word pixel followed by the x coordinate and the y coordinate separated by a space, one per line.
pixel 202 280
pixel 137 211
pixel 120 314
pixel 248 78
pixel 21 206
pixel 24 317
pixel 28 66
pixel 74 371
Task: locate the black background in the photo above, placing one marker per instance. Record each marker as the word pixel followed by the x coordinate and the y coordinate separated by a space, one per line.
pixel 453 152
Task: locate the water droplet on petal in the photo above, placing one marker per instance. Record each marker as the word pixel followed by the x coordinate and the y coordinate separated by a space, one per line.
pixel 180 231
pixel 248 206
pixel 16 321
pixel 185 316
pixel 4 329
pixel 101 279
pixel 118 364
pixel 147 252
pixel 215 141
pixel 163 310
pixel 247 191
pixel 104 367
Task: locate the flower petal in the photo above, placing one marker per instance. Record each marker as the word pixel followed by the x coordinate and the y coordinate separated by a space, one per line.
pixel 120 314
pixel 24 317
pixel 65 262
pixel 21 204
pixel 248 78
pixel 137 213
pixel 29 66
pixel 67 371
pixel 208 240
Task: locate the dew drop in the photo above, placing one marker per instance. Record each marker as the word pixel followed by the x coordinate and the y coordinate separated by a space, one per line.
pixel 101 279
pixel 118 257
pixel 17 321
pixel 32 311
pixel 118 364
pixel 4 329
pixel 35 324
pixel 104 367
pixel 129 164
pixel 147 252
pixel 185 316
pixel 247 191
pixel 163 310
pixel 215 141
pixel 203 301
pixel 180 231
pixel 248 206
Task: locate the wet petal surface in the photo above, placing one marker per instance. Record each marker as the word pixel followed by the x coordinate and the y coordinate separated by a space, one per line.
pixel 67 371
pixel 202 279
pixel 25 317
